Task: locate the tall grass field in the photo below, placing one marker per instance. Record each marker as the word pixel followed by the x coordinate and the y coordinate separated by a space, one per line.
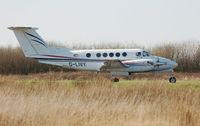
pixel 88 99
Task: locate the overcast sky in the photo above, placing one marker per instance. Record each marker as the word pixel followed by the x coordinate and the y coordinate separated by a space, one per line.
pixel 88 21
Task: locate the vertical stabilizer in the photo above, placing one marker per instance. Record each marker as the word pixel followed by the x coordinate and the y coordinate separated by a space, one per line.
pixel 30 41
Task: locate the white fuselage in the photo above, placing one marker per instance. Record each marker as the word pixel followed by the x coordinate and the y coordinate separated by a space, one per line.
pixel 93 60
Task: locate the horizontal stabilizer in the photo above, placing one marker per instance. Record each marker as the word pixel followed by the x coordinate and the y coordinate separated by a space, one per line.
pixel 22 28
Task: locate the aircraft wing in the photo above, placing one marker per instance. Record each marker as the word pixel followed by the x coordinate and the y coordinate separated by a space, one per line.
pixel 113 64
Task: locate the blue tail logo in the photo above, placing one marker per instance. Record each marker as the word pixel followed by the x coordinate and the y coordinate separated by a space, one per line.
pixel 37 39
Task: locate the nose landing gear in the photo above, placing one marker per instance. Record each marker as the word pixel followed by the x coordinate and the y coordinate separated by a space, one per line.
pixel 172 79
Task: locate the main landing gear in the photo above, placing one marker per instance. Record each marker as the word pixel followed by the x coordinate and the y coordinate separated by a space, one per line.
pixel 114 79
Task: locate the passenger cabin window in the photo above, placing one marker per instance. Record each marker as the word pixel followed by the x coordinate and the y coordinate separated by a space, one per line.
pixel 117 54
pixel 88 55
pixel 111 54
pixel 98 54
pixel 105 54
pixel 138 53
pixel 124 54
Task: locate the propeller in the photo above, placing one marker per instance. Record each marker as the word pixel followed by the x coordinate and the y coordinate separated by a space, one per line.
pixel 158 60
pixel 157 65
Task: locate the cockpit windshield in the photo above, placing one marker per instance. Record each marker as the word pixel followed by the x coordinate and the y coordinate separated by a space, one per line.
pixel 143 54
pixel 138 54
pixel 146 54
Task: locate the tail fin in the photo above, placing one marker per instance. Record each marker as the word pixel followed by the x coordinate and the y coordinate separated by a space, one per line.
pixel 30 41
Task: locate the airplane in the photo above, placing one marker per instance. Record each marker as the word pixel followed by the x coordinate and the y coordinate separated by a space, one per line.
pixel 119 62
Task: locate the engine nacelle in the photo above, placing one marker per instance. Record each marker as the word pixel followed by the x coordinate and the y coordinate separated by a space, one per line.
pixel 139 61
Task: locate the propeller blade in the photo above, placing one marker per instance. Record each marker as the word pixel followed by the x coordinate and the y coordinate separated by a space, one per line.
pixel 158 60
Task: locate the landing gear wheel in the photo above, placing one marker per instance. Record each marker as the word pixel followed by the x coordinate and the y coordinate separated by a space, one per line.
pixel 172 79
pixel 115 79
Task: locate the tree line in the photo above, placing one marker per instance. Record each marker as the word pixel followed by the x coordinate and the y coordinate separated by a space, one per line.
pixel 187 55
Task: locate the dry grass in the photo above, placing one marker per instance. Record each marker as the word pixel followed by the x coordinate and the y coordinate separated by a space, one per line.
pixel 51 100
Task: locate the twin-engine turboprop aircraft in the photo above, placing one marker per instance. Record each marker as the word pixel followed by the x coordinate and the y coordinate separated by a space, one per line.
pixel 119 62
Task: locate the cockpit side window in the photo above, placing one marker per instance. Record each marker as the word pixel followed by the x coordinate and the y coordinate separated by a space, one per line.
pixel 145 53
pixel 138 53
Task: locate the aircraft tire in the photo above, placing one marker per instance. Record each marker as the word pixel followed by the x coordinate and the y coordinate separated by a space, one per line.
pixel 115 79
pixel 172 79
